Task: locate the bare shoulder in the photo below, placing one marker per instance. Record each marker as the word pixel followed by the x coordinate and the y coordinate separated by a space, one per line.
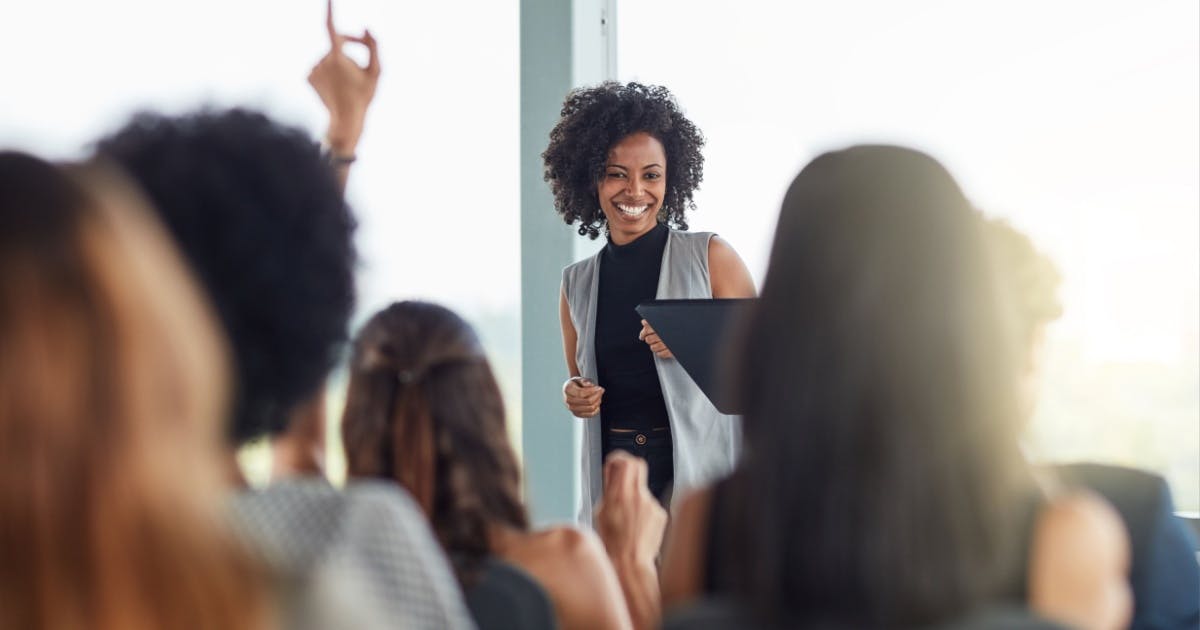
pixel 572 566
pixel 566 541
pixel 1079 563
pixel 720 253
pixel 1084 528
pixel 728 275
pixel 684 550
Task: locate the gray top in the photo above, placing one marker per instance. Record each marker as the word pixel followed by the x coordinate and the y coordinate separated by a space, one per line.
pixel 362 557
pixel 706 442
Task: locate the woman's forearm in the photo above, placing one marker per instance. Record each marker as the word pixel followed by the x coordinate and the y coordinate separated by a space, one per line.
pixel 639 584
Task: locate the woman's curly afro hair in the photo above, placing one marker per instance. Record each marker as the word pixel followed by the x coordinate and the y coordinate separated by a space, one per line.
pixel 594 119
pixel 260 217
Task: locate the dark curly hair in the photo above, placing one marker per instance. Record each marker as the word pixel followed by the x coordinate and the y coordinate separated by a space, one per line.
pixel 424 410
pixel 261 219
pixel 593 119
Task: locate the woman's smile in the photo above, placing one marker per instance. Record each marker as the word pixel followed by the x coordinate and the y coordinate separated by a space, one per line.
pixel 632 187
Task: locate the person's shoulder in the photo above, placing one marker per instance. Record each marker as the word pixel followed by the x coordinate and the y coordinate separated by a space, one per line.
pixel 582 264
pixel 1086 516
pixel 1141 498
pixel 289 523
pixel 383 503
pixel 573 567
pixel 378 492
pixel 566 544
pixel 388 535
pixel 579 269
pixel 728 272
pixel 692 237
pixel 556 553
pixel 1164 575
pixel 286 503
pixel 1080 561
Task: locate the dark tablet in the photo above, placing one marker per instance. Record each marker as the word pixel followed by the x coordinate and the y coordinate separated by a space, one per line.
pixel 697 333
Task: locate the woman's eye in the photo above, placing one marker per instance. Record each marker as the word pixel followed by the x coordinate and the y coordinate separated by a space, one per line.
pixel 653 175
pixel 616 175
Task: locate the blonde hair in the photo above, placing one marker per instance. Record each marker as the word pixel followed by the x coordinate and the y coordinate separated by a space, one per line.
pixel 112 391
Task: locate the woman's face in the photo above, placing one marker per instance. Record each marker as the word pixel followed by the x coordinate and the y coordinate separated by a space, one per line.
pixel 632 186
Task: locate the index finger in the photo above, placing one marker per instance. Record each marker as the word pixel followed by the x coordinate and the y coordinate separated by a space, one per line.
pixel 333 36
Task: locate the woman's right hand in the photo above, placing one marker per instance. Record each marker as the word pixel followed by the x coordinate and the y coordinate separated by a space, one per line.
pixel 344 87
pixel 582 397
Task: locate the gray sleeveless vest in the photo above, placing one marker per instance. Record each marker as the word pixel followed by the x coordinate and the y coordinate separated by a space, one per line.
pixel 706 442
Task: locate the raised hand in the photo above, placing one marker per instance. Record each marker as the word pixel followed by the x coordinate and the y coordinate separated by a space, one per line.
pixel 344 87
pixel 630 522
pixel 628 518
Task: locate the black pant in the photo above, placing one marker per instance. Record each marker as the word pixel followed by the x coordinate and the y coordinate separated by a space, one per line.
pixel 654 446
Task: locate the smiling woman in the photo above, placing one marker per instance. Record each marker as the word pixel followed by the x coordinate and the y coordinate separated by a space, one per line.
pixel 624 158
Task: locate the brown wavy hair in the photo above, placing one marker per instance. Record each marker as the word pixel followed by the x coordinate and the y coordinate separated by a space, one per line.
pixel 424 409
pixel 112 393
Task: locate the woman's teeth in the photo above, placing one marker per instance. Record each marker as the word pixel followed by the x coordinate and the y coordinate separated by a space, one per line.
pixel 632 211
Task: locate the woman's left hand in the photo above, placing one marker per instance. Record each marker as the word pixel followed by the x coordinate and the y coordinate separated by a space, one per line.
pixel 652 339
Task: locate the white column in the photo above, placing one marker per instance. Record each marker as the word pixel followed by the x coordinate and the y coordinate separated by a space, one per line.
pixel 564 44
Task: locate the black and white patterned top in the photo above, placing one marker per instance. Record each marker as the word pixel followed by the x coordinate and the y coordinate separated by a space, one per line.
pixel 361 557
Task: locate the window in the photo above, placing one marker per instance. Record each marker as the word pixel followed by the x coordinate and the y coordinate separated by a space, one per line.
pixel 1077 121
pixel 436 185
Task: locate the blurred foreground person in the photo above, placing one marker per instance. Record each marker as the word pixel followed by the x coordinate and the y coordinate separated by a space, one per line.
pixel 883 484
pixel 112 393
pixel 1164 575
pixel 424 410
pixel 258 212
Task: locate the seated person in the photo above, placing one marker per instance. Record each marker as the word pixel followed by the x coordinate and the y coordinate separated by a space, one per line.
pixel 113 382
pixel 883 483
pixel 423 410
pixel 258 213
pixel 1164 575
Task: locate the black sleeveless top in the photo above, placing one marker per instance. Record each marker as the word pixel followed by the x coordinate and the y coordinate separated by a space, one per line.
pixel 507 597
pixel 625 367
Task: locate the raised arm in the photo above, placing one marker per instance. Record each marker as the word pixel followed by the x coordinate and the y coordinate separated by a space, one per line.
pixel 631 523
pixel 346 89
